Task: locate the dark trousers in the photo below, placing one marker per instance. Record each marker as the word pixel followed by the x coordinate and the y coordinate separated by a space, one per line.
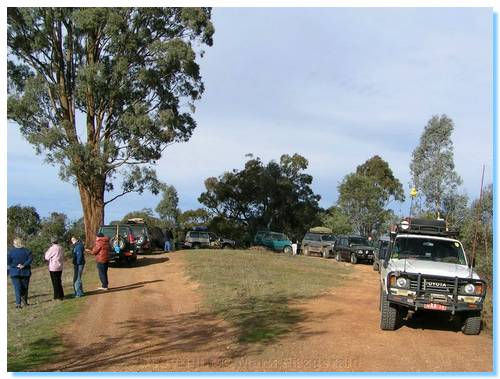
pixel 55 277
pixel 21 284
pixel 77 279
pixel 102 269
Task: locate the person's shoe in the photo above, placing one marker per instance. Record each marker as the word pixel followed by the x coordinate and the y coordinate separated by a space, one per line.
pixel 102 289
pixel 18 306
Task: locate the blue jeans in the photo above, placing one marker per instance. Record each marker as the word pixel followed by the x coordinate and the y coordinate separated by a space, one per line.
pixel 167 246
pixel 102 269
pixel 21 284
pixel 77 280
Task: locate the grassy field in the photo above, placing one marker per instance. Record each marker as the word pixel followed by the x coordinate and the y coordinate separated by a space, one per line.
pixel 32 337
pixel 254 290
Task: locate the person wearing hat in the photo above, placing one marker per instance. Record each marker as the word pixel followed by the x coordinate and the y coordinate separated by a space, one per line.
pixel 19 261
pixel 55 257
pixel 101 252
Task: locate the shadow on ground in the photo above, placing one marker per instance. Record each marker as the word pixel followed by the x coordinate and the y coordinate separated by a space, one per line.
pixel 157 341
pixel 434 321
pixel 141 261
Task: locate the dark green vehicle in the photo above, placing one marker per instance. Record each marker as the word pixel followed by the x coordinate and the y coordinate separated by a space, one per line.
pixel 277 242
pixel 353 249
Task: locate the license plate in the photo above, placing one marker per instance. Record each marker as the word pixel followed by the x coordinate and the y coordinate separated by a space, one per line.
pixel 435 307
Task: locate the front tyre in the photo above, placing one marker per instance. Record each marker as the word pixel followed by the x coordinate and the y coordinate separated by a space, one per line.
pixel 472 324
pixel 354 258
pixel 287 250
pixel 338 258
pixel 324 253
pixel 389 314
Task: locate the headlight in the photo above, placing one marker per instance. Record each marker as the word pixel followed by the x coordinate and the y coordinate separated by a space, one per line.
pixel 360 251
pixel 469 289
pixel 402 282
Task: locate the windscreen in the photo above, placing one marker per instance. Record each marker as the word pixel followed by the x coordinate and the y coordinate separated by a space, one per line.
pixel 428 249
pixel 328 237
pixel 358 241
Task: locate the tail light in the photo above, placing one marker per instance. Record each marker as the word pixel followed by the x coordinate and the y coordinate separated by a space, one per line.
pixel 131 238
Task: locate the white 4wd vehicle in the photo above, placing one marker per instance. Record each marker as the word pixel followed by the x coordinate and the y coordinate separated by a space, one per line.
pixel 425 268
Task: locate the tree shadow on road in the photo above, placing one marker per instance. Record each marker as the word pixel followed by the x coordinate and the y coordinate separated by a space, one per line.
pixel 198 338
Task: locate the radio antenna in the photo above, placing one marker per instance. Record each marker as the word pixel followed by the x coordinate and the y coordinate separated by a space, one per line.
pixel 478 215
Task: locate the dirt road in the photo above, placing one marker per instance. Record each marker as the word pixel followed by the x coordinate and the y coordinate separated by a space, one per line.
pixel 151 320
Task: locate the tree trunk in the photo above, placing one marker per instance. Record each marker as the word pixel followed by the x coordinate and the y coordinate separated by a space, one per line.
pixel 93 212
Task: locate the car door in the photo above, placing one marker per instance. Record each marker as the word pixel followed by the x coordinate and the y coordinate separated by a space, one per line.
pixel 344 248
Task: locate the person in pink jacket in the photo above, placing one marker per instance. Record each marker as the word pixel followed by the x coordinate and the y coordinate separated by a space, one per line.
pixel 55 257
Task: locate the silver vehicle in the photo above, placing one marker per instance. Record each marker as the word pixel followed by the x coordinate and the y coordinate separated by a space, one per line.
pixel 199 239
pixel 425 268
pixel 318 243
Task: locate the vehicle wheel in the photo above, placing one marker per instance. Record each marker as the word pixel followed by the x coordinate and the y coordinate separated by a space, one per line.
pixel 324 253
pixel 375 266
pixel 196 246
pixel 227 247
pixel 306 251
pixel 472 324
pixel 287 250
pixel 354 258
pixel 338 258
pixel 389 314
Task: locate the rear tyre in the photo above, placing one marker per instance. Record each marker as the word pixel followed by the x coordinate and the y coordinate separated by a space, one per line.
pixel 196 246
pixel 354 258
pixel 227 247
pixel 324 253
pixel 389 315
pixel 472 324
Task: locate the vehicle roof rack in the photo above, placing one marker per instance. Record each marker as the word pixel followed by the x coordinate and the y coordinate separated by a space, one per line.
pixel 411 225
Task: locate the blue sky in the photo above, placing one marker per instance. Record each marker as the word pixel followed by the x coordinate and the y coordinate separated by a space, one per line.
pixel 336 85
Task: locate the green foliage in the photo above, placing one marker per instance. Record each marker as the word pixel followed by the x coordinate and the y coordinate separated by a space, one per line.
pixel 167 208
pixel 193 217
pixel 131 71
pixel 365 195
pixel 146 214
pixel 25 222
pixel 276 196
pixel 432 166
pixel 337 221
pixel 22 221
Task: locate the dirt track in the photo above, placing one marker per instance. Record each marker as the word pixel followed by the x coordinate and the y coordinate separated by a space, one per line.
pixel 151 321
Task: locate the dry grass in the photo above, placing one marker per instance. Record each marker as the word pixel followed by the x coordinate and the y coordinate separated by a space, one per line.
pixel 253 290
pixel 32 337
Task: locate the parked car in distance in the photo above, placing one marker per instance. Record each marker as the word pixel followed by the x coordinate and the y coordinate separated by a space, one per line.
pixel 147 237
pixel 199 239
pixel 122 241
pixel 380 251
pixel 354 249
pixel 318 243
pixel 257 240
pixel 277 242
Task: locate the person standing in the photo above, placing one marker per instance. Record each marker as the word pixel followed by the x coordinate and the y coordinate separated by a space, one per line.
pixel 19 261
pixel 55 256
pixel 101 252
pixel 78 265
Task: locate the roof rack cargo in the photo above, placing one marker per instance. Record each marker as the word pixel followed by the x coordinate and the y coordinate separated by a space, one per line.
pixel 411 225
